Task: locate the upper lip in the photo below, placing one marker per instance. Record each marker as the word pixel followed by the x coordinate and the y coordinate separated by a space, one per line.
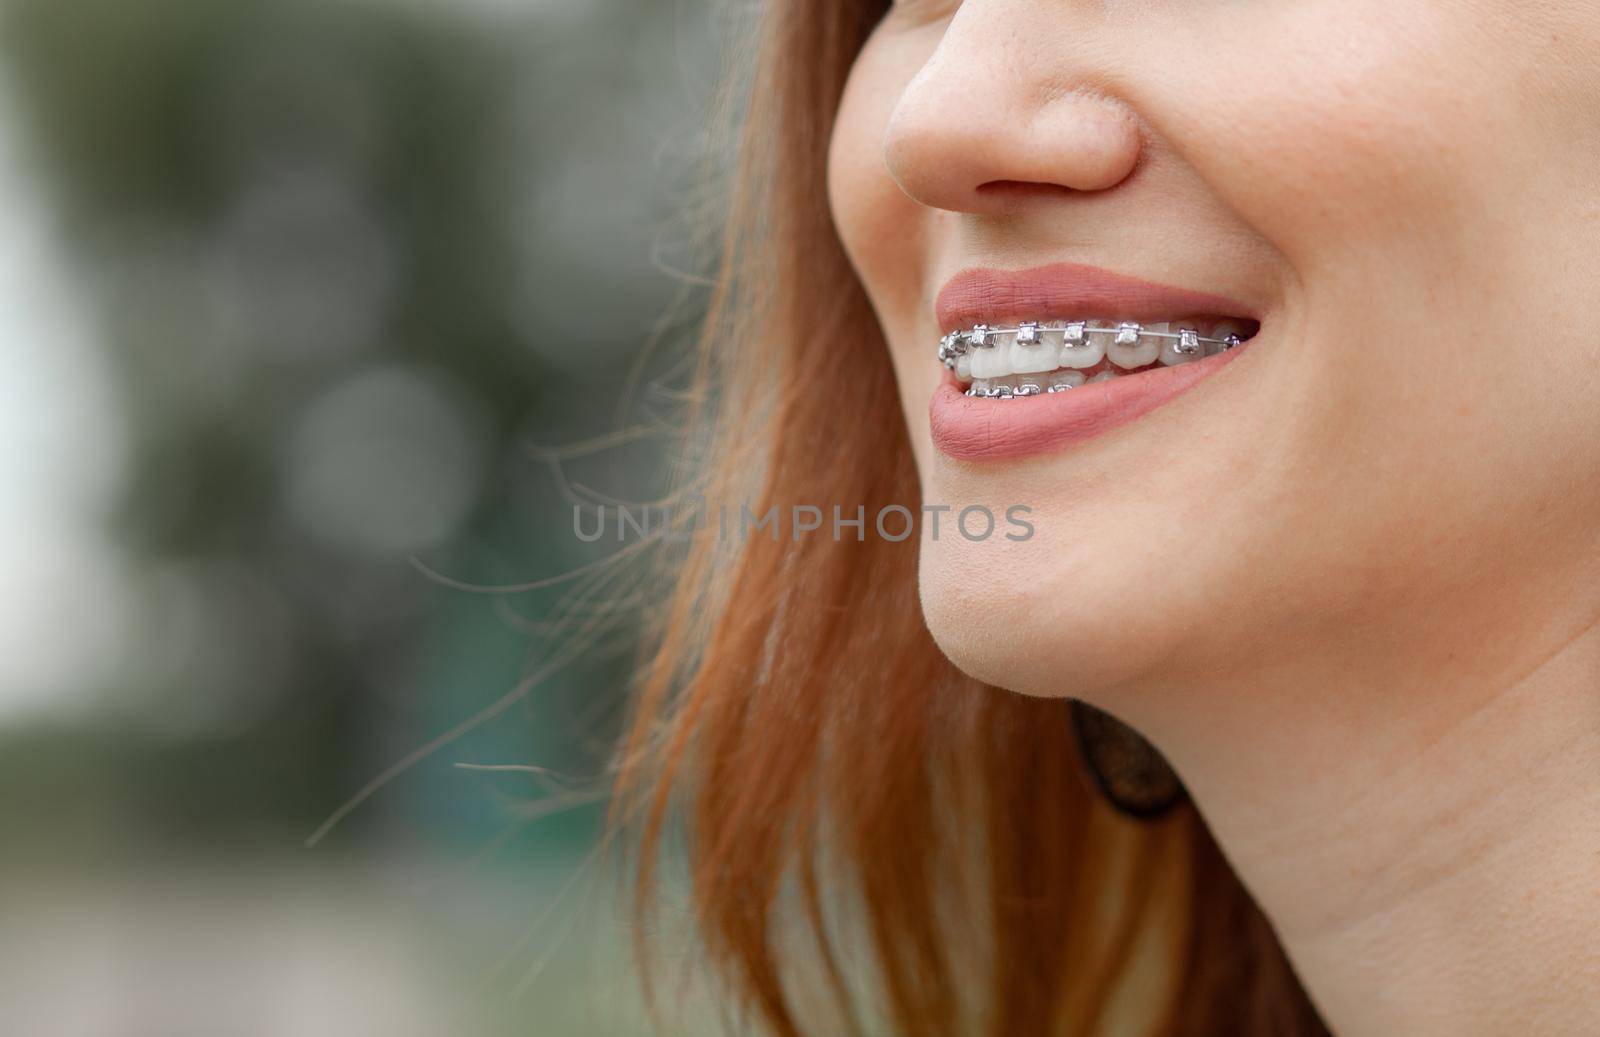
pixel 1069 290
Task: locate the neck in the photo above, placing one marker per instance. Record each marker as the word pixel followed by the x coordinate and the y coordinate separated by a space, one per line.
pixel 1430 870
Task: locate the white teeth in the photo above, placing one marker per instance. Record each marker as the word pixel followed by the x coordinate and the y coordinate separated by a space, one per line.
pixel 990 362
pixel 1129 348
pixel 1082 349
pixel 1104 376
pixel 1183 349
pixel 1029 354
pixel 1034 357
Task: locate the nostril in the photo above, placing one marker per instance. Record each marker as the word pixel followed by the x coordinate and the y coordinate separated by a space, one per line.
pixel 1023 189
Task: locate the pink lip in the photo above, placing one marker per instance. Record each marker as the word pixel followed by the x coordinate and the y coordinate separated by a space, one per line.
pixel 976 429
pixel 972 429
pixel 1061 290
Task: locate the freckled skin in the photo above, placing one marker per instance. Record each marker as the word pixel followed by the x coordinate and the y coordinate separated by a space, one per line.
pixel 1385 512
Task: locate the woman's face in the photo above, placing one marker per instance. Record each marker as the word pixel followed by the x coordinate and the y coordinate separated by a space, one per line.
pixel 1400 468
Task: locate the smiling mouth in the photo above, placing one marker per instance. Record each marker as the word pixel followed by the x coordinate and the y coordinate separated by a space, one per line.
pixel 1038 357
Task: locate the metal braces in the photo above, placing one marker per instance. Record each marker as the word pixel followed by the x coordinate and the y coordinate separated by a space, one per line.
pixel 1074 333
pixel 1007 392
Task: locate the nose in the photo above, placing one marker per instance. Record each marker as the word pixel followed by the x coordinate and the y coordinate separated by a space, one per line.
pixel 988 118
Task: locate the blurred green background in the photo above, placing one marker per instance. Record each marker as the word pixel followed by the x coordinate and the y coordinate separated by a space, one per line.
pixel 293 293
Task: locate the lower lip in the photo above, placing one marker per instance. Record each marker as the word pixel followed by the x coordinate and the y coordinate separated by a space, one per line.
pixel 970 428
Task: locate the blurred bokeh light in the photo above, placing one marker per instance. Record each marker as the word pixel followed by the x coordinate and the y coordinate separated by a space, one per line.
pixel 292 294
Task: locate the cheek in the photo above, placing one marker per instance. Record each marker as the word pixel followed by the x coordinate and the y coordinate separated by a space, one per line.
pixel 1425 202
pixel 883 231
pixel 1359 129
pixel 887 236
pixel 1368 125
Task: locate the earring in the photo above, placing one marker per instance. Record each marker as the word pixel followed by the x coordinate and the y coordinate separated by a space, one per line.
pixel 1127 770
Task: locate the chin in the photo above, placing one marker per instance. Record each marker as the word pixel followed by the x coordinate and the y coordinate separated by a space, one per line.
pixel 1071 621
